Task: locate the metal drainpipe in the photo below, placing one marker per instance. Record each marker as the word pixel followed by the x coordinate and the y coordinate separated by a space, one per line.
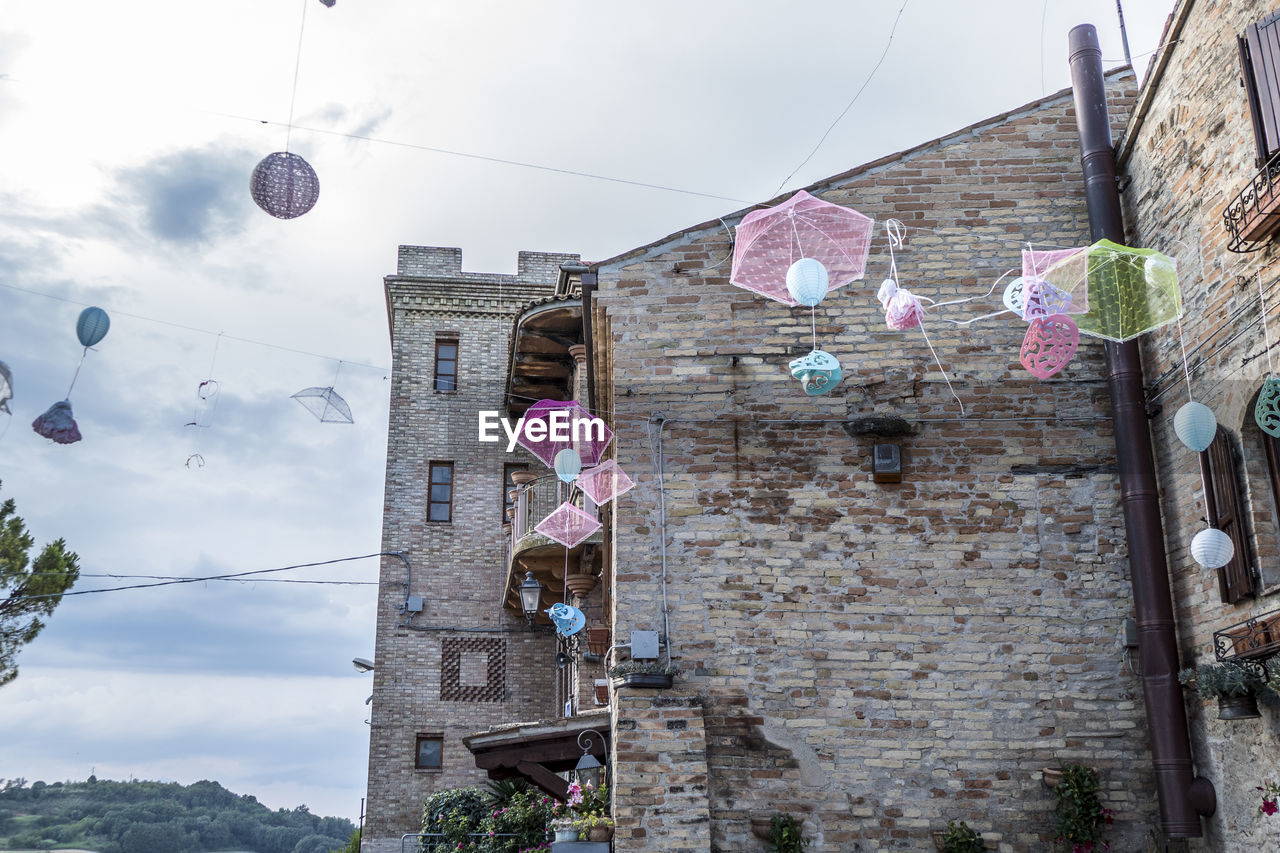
pixel 1182 798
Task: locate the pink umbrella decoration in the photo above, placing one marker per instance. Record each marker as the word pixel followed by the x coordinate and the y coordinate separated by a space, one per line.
pixel 1049 344
pixel 575 428
pixel 769 241
pixel 568 525
pixel 605 482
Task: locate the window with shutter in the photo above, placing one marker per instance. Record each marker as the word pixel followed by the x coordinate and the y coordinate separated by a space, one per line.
pixel 1260 66
pixel 1224 500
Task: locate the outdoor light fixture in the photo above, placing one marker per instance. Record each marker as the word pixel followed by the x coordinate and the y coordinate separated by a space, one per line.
pixel 362 664
pixel 588 768
pixel 530 596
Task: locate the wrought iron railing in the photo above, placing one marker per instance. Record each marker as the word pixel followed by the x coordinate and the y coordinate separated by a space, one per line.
pixel 1254 213
pixel 1255 639
pixel 536 500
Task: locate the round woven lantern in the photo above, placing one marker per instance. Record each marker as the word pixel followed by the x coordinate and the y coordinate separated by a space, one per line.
pixel 1212 548
pixel 1195 426
pixel 284 185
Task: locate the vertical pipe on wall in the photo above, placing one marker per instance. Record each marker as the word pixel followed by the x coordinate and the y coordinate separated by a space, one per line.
pixel 1182 798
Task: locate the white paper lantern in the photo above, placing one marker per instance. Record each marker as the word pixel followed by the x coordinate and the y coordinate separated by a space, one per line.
pixel 284 185
pixel 807 282
pixel 1195 426
pixel 1212 548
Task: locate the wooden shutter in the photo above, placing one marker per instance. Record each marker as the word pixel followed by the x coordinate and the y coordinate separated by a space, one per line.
pixel 1260 65
pixel 1225 503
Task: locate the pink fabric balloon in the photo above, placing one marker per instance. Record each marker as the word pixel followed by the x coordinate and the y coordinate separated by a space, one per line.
pixel 1049 344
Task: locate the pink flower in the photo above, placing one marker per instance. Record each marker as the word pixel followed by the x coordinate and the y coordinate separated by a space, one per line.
pixel 1269 807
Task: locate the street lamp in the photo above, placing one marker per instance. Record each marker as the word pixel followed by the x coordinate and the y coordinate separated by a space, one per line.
pixel 530 596
pixel 362 664
pixel 588 768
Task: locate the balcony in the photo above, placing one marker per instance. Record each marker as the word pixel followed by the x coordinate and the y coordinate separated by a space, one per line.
pixel 1254 214
pixel 530 551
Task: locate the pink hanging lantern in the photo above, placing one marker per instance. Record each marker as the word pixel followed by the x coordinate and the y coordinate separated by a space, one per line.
pixel 563 425
pixel 604 482
pixel 769 241
pixel 567 525
pixel 1049 344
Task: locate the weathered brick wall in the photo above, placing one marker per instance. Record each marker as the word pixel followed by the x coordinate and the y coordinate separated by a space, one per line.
pixel 459 567
pixel 875 659
pixel 1189 151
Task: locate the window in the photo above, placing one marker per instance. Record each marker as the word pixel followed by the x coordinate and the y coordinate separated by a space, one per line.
pixel 1224 500
pixel 1260 65
pixel 508 484
pixel 429 753
pixel 446 363
pixel 440 502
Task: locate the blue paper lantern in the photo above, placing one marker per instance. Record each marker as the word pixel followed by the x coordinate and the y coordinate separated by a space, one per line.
pixel 807 282
pixel 1212 548
pixel 1195 426
pixel 92 326
pixel 568 465
pixel 818 371
pixel 1267 411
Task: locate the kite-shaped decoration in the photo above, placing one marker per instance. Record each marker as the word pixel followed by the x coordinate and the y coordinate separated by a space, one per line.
pixel 6 388
pixel 1127 291
pixel 57 424
pixel 604 482
pixel 902 309
pixel 769 241
pixel 563 425
pixel 567 525
pixel 1049 344
pixel 326 404
pixel 1267 411
pixel 284 185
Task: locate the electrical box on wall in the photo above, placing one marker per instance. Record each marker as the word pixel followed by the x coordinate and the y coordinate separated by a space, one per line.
pixel 413 604
pixel 886 463
pixel 644 645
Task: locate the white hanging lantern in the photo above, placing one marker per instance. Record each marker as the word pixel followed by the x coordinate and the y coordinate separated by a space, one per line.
pixel 568 465
pixel 1195 426
pixel 807 282
pixel 1212 548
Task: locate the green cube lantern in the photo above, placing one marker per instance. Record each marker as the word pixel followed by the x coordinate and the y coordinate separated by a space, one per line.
pixel 1129 291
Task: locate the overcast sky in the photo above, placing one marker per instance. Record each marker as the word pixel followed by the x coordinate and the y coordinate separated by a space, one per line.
pixel 128 131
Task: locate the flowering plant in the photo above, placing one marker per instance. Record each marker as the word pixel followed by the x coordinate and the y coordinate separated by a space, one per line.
pixel 1082 819
pixel 1270 793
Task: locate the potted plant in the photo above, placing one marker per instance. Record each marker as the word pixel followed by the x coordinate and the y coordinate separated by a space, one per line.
pixel 958 838
pixel 651 674
pixel 562 820
pixel 590 806
pixel 1082 820
pixel 785 835
pixel 1235 687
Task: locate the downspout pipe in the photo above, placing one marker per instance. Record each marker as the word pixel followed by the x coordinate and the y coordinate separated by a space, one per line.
pixel 1183 799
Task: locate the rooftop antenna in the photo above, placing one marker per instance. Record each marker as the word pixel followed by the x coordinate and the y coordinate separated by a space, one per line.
pixel 1124 36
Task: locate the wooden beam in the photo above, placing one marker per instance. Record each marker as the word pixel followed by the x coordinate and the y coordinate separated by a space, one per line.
pixel 543 778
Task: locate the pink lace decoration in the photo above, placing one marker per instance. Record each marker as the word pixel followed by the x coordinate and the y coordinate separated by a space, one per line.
pixel 901 307
pixel 1065 269
pixel 1049 344
pixel 1042 299
pixel 580 431
pixel 605 482
pixel 568 525
pixel 769 241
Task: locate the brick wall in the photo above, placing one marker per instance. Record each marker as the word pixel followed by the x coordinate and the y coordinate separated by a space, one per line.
pixel 431 677
pixel 1189 151
pixel 875 659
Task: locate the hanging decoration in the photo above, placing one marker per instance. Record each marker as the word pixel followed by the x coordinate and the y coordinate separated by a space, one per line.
pixel 604 482
pixel 568 619
pixel 567 525
pixel 57 423
pixel 207 394
pixel 808 282
pixel 325 403
pixel 819 372
pixel 1267 410
pixel 769 241
pixel 92 326
pixel 560 424
pixel 1049 344
pixel 1195 425
pixel 6 388
pixel 568 465
pixel 1212 548
pixel 283 183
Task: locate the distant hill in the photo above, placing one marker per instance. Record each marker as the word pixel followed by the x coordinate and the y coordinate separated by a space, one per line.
pixel 157 817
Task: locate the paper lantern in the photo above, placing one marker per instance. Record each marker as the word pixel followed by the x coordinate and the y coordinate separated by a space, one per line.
pixel 284 185
pixel 1267 412
pixel 807 282
pixel 568 465
pixel 818 371
pixel 1049 344
pixel 92 326
pixel 1195 426
pixel 1212 548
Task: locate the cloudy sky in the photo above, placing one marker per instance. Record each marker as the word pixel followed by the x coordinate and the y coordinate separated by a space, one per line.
pixel 128 131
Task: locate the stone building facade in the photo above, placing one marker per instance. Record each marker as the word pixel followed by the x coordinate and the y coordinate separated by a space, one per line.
pixel 454 662
pixel 1188 152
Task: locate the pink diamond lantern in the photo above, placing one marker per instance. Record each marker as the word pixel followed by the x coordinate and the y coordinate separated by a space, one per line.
pixel 568 525
pixel 1049 344
pixel 769 241
pixel 1065 270
pixel 565 424
pixel 605 482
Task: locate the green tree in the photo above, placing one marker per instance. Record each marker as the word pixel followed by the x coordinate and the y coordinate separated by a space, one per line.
pixel 29 590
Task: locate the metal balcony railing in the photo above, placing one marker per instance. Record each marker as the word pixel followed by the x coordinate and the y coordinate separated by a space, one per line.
pixel 1254 214
pixel 535 501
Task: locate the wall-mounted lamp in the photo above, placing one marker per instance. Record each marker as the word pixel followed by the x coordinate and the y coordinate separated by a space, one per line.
pixel 588 768
pixel 530 596
pixel 362 664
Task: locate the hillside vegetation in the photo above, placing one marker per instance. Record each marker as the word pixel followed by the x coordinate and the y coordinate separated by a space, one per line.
pixel 157 817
